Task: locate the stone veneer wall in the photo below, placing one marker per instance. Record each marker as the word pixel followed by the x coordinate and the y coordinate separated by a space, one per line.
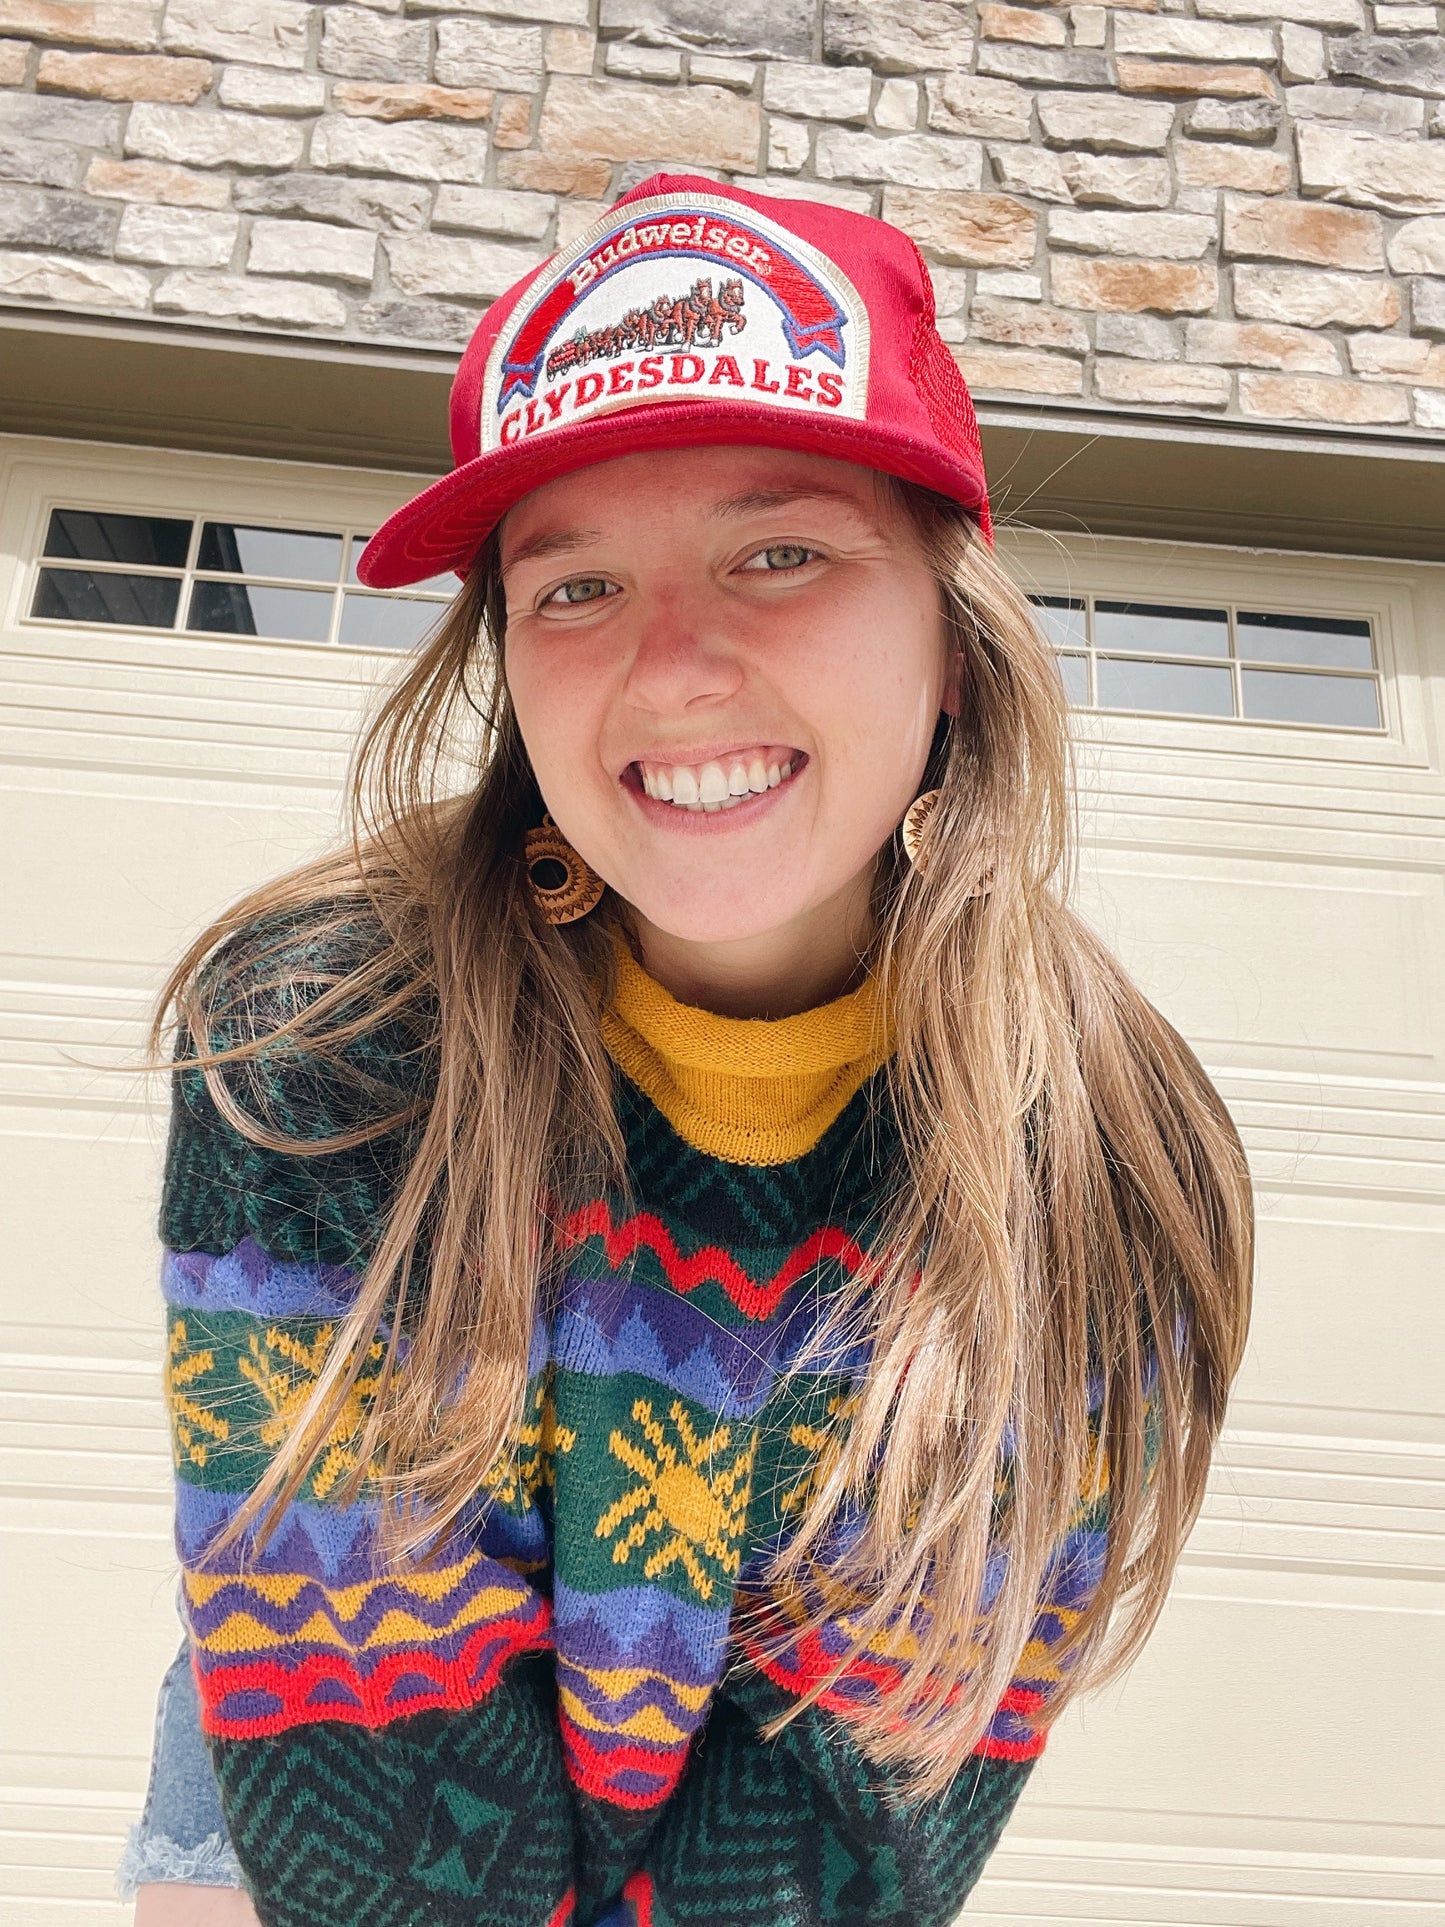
pixel 1199 205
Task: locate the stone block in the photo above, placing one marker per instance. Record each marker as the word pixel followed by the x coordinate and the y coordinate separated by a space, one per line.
pixel 818 93
pixel 574 218
pixel 1398 358
pixel 909 160
pixel 267 90
pixel 950 289
pixel 1106 123
pixel 476 52
pixel 1309 13
pixel 1164 237
pixel 1022 370
pixel 176 237
pixel 1429 408
pixel 416 150
pixel 1134 287
pixel 788 144
pixel 312 248
pixel 1090 25
pixel 829 193
pixel 1419 246
pixel 1315 299
pixel 512 122
pixel 494 210
pixel 968 104
pixel 244 297
pixel 571 50
pixel 1312 231
pixel 963 229
pixel 1384 60
pixel 1186 79
pixel 1391 19
pixel 85 23
pixel 1162 383
pixel 411 100
pixel 41 117
pixel 1261 344
pixel 416 320
pixel 1026 324
pixel 1009 284
pixel 717 70
pixel 613 121
pixel 1312 399
pixel 761 29
pixel 1149 33
pixel 904 37
pixel 355 43
pixel 1371 170
pixel 1235 120
pixel 625 57
pixel 123 76
pixel 1214 164
pixel 554 174
pixel 1427 307
pixel 201 139
pixel 1357 107
pixel 1029 24
pixel 1301 52
pixel 563 13
pixel 263 33
pixel 444 265
pixel 1118 180
pixel 42 163
pixel 398 206
pixel 37 217
pixel 1035 171
pixel 69 283
pixel 1045 66
pixel 1144 336
pixel 14 58
pixel 155 181
pixel 896 107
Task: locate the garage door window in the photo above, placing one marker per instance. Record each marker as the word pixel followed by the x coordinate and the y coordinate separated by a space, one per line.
pixel 1249 665
pixel 224 578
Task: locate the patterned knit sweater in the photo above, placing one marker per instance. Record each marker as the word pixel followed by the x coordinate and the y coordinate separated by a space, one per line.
pixel 554 1721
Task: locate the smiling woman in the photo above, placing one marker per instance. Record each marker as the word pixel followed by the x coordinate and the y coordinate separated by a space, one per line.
pixel 676 1381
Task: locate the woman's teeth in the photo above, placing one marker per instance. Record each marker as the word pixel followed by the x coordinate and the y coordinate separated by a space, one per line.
pixel 715 786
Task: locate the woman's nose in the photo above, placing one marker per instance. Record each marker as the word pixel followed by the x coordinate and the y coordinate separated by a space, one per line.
pixel 681 657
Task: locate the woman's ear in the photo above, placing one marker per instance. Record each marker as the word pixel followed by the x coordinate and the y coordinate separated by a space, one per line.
pixel 951 700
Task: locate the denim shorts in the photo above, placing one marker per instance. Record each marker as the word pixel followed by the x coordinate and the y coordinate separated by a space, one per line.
pixel 181 1834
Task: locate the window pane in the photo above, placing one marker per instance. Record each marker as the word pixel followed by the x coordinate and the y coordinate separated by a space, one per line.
pixel 1156 629
pixel 1277 696
pixel 294 553
pixel 446 585
pixel 1182 688
pixel 386 621
pixel 80 595
pixel 1330 642
pixel 1064 621
pixel 242 609
pixel 118 538
pixel 1075 673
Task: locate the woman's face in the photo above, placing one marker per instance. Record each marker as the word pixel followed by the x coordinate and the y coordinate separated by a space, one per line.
pixel 727 666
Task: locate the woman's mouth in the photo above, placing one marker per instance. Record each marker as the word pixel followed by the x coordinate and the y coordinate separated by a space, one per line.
pixel 717 785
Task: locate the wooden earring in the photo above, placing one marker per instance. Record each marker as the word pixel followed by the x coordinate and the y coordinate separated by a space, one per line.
pixel 915 822
pixel 564 887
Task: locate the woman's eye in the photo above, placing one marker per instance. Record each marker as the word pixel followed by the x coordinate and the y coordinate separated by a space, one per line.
pixel 781 556
pixel 582 588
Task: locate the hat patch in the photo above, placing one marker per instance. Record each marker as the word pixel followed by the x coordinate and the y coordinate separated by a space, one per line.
pixel 686 299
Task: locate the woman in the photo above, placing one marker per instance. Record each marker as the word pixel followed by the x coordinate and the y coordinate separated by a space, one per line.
pixel 700 1295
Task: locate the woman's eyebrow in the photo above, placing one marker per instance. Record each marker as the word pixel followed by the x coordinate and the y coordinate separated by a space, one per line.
pixel 754 501
pixel 550 542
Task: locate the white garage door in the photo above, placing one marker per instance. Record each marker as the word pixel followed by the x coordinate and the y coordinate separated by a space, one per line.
pixel 1261 770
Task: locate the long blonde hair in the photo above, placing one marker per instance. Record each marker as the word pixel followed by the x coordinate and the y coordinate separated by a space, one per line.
pixel 1070 1244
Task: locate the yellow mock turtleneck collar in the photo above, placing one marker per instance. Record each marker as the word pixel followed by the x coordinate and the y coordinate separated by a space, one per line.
pixel 750 1090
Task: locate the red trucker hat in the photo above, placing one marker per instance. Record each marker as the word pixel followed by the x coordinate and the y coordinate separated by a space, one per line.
pixel 695 313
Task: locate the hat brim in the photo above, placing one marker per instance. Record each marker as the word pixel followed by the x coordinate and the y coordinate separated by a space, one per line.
pixel 445 526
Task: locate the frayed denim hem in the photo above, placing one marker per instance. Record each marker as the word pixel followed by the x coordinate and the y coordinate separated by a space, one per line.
pixel 152 1856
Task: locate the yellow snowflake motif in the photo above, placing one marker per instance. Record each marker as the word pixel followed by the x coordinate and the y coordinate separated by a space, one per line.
pixel 689 1506
pixel 825 1442
pixel 193 1428
pixel 284 1369
pixel 530 1461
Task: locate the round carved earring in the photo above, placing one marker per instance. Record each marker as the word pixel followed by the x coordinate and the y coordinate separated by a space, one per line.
pixel 564 886
pixel 915 822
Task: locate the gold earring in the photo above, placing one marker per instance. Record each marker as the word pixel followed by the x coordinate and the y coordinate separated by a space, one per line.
pixel 915 822
pixel 563 885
